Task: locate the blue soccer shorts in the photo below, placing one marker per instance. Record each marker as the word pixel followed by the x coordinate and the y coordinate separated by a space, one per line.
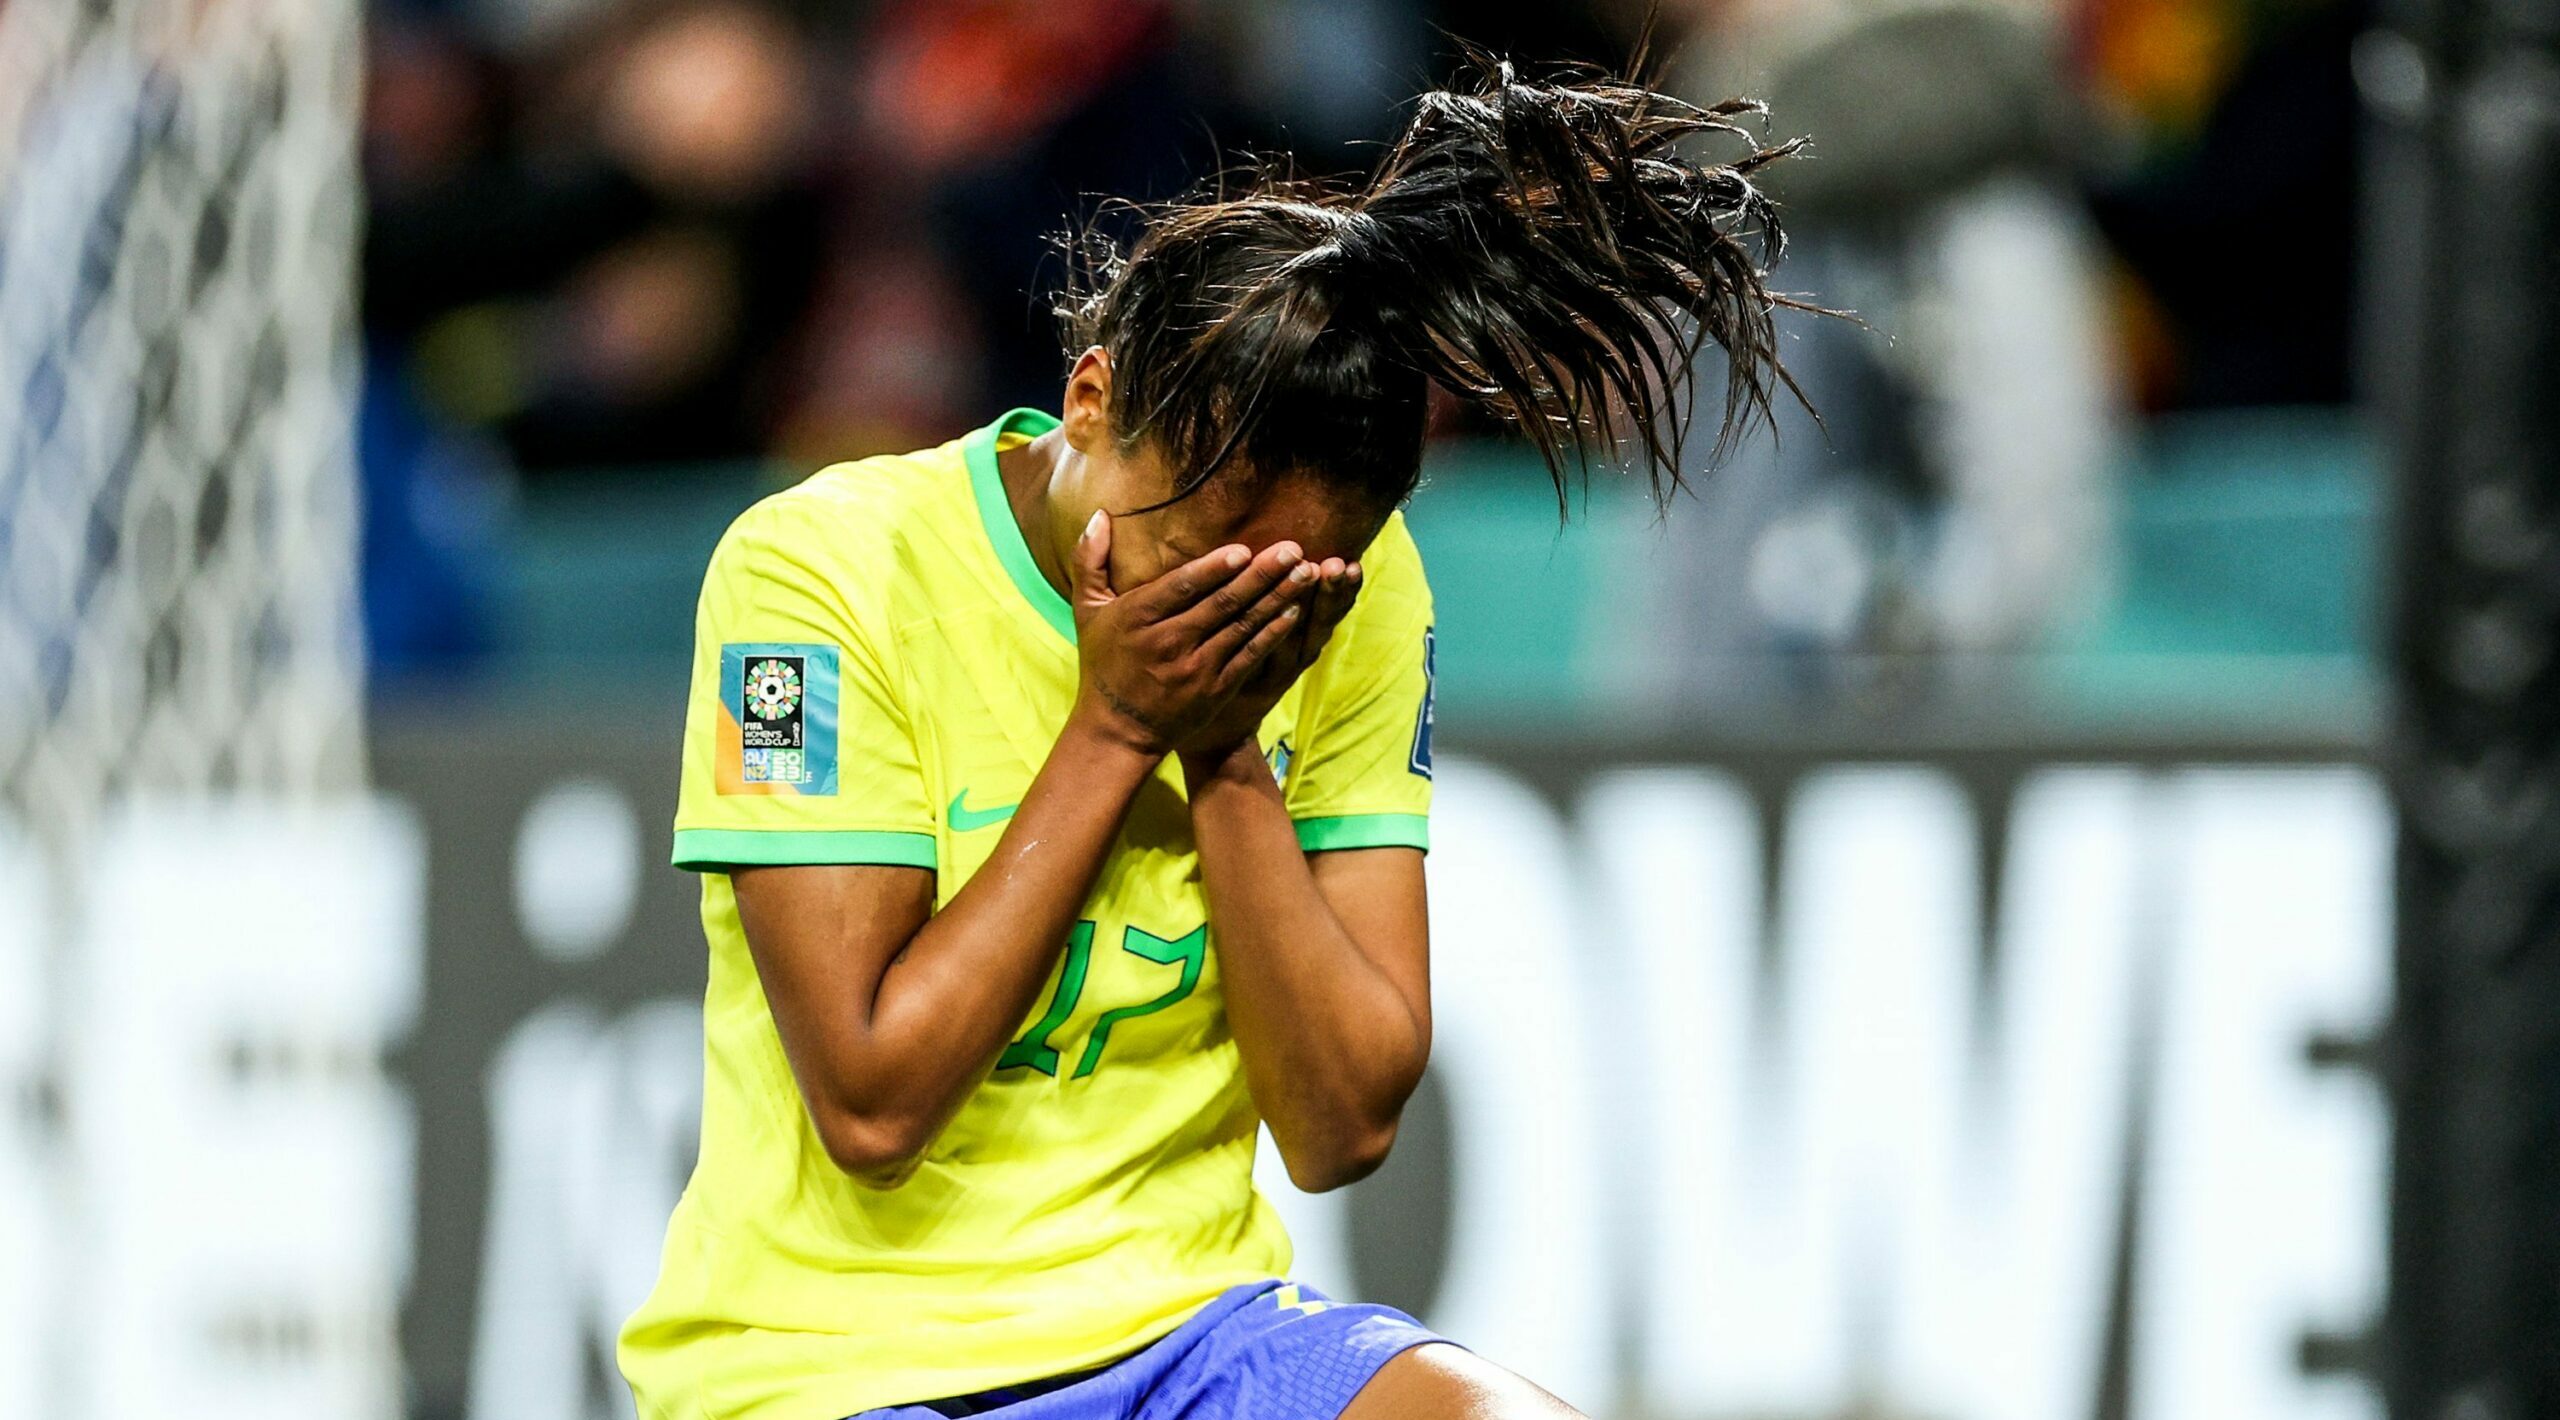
pixel 1262 1351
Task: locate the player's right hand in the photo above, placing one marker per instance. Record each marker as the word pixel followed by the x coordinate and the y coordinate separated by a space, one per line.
pixel 1158 662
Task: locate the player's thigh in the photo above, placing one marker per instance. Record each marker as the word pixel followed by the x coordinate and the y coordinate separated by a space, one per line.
pixel 1443 1382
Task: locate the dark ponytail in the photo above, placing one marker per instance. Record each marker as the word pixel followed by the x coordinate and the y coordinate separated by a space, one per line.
pixel 1549 252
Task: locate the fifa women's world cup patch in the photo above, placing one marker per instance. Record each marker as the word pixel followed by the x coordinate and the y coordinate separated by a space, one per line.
pixel 778 718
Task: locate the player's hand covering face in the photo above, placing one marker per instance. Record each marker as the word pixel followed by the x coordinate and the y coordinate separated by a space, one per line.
pixel 1164 660
pixel 1330 587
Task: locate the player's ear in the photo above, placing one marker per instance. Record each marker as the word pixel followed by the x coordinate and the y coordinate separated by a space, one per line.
pixel 1087 412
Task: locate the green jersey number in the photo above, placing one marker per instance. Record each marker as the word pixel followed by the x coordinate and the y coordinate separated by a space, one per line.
pixel 1185 953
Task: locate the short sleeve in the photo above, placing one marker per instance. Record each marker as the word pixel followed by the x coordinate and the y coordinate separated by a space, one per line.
pixel 1359 775
pixel 796 747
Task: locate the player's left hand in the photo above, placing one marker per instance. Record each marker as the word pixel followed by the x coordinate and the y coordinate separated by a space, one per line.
pixel 1235 725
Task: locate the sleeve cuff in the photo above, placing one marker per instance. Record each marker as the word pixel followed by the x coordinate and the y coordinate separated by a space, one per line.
pixel 1319 835
pixel 708 850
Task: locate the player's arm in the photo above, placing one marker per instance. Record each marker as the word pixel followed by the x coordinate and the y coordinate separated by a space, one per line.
pixel 1325 956
pixel 1327 967
pixel 891 1012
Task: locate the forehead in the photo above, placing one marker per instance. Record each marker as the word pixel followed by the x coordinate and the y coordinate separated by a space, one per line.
pixel 1259 512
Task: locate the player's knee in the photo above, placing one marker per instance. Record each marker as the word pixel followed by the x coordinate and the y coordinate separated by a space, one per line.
pixel 1447 1382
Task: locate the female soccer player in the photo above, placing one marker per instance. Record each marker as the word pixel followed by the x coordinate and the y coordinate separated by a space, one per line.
pixel 1059 793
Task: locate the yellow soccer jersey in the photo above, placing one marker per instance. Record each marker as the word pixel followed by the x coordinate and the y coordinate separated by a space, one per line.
pixel 879 671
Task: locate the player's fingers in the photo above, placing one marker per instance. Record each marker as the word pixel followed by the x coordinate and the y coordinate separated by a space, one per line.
pixel 1092 561
pixel 1274 634
pixel 1222 639
pixel 1188 583
pixel 1339 587
pixel 1324 612
pixel 1273 572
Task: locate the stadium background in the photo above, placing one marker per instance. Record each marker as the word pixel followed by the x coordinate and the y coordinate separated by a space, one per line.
pixel 2034 900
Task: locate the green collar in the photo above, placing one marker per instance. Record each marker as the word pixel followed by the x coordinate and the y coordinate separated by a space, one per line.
pixel 996 511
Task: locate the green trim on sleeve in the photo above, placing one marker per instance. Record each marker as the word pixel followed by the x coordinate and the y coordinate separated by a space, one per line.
pixel 700 850
pixel 995 510
pixel 1319 835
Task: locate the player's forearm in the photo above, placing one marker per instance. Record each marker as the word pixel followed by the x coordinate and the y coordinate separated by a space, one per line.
pixel 1332 1046
pixel 951 1001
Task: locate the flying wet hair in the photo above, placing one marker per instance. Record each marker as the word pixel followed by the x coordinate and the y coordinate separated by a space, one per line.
pixel 1551 252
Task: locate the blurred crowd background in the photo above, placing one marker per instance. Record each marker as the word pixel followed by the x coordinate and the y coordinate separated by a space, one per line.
pixel 629 262
pixel 1949 858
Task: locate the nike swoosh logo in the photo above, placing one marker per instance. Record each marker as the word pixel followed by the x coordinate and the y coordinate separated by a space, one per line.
pixel 964 819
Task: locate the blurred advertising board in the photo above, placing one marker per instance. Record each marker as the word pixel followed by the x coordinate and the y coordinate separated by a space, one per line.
pixel 1992 1082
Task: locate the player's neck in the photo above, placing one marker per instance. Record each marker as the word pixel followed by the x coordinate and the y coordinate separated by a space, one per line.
pixel 1028 470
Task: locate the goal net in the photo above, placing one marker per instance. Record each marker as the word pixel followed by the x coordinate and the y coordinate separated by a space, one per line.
pixel 177 492
pixel 203 932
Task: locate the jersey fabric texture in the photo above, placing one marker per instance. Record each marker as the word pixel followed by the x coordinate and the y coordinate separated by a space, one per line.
pixel 879 671
pixel 1262 1351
